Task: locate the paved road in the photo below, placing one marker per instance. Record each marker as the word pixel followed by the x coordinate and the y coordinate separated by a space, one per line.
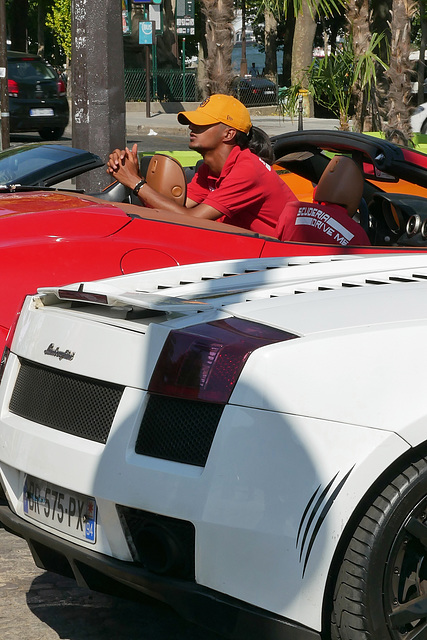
pixel 38 605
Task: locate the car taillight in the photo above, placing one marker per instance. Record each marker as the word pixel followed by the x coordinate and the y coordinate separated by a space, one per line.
pixel 13 88
pixel 62 89
pixel 8 343
pixel 204 362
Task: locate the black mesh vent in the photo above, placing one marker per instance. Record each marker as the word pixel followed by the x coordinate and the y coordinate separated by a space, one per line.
pixel 178 430
pixel 80 406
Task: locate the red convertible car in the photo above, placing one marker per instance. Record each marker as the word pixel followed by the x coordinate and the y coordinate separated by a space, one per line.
pixel 52 237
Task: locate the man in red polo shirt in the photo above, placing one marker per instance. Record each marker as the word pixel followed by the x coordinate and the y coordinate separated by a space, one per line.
pixel 233 185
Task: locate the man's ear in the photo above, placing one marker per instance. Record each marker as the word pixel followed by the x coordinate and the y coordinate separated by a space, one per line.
pixel 230 134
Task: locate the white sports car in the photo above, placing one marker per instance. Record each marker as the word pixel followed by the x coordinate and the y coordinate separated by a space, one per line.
pixel 245 440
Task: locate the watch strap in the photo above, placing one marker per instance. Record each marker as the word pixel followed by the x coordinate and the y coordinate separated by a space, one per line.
pixel 138 186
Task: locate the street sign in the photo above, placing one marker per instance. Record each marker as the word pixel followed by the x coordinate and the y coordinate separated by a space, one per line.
pixel 155 14
pixel 185 23
pixel 146 32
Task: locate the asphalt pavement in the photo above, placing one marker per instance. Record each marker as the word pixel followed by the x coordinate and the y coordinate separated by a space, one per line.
pixel 40 605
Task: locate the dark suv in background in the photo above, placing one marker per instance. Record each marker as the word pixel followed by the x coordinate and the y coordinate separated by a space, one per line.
pixel 37 96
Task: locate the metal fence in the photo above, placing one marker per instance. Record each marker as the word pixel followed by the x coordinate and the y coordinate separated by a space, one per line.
pixel 172 85
pixel 175 85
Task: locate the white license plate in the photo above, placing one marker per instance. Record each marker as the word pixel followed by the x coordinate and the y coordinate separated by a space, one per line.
pixel 269 93
pixel 41 112
pixel 66 511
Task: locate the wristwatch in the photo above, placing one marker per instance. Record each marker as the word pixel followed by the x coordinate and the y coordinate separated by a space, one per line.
pixel 138 186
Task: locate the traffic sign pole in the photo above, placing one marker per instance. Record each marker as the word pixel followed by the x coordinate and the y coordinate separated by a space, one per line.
pixel 147 82
pixel 183 70
pixel 147 30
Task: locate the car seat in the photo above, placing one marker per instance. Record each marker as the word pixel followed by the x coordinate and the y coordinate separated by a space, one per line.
pixel 341 183
pixel 163 173
pixel 166 175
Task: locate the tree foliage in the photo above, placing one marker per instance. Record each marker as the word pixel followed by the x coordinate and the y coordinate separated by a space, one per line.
pixel 331 79
pixel 58 19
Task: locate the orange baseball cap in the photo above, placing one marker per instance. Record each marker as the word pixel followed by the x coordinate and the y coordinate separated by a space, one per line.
pixel 219 108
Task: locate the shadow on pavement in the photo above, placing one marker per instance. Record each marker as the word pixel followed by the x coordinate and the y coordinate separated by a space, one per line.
pixel 80 614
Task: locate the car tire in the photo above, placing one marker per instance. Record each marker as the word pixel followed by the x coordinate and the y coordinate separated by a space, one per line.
pixel 424 127
pixel 53 133
pixel 384 569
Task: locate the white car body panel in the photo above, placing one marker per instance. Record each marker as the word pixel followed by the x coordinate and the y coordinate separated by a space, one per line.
pixel 310 425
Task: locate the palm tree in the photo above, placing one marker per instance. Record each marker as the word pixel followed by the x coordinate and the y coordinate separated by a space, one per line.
pixel 270 40
pixel 360 34
pixel 398 126
pixel 302 48
pixel 218 15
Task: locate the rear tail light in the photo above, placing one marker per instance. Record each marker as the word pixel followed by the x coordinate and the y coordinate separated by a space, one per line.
pixel 13 88
pixel 62 89
pixel 204 362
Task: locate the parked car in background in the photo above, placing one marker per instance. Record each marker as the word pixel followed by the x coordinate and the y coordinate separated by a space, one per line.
pixel 419 119
pixel 37 96
pixel 244 440
pixel 255 90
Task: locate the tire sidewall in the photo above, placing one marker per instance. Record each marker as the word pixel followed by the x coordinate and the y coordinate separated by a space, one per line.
pixel 409 496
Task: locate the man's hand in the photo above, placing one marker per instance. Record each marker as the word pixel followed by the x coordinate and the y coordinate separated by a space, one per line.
pixel 123 165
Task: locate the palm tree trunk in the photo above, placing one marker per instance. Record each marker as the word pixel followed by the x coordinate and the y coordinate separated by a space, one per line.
pixel 398 127
pixel 358 18
pixel 302 49
pixel 270 40
pixel 421 62
pixel 288 37
pixel 219 16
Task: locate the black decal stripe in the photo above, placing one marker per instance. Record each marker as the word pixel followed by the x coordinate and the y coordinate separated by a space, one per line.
pixel 314 511
pixel 322 517
pixel 305 513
